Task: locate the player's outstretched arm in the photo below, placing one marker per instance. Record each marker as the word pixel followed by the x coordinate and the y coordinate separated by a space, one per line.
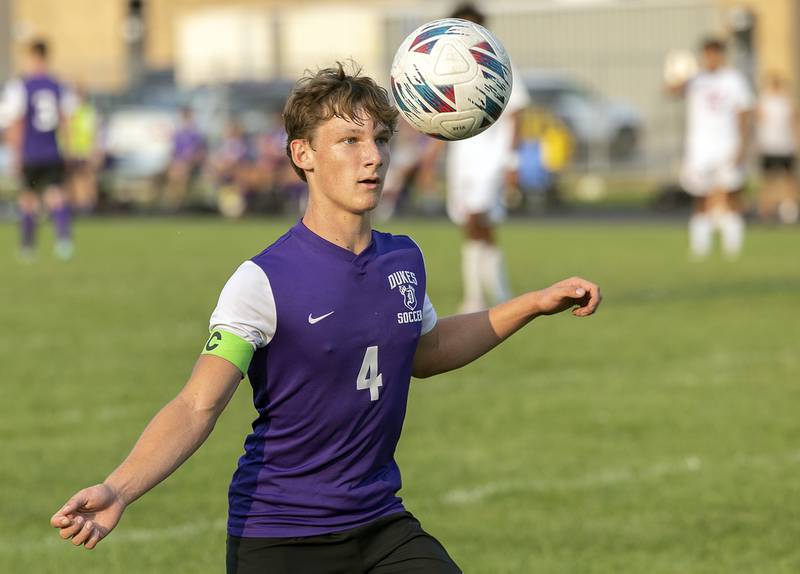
pixel 171 437
pixel 458 340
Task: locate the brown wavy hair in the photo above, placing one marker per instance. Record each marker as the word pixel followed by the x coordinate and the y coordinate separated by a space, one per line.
pixel 334 92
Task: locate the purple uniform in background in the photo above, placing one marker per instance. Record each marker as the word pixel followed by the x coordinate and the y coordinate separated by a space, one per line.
pixel 43 107
pixel 187 144
pixel 330 380
pixel 40 102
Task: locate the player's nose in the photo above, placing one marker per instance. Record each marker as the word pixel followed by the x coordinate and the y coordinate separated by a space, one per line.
pixel 373 155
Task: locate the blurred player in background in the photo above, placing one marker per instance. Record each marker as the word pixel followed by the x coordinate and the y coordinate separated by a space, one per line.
pixel 188 156
pixel 720 106
pixel 228 166
pixel 271 159
pixel 38 105
pixel 80 150
pixel 478 170
pixel 410 155
pixel 778 132
pixel 329 322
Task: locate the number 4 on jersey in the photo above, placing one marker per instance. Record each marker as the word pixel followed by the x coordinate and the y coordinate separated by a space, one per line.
pixel 369 377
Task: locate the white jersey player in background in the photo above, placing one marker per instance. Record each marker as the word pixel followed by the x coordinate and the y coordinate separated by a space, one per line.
pixel 777 136
pixel 477 170
pixel 719 102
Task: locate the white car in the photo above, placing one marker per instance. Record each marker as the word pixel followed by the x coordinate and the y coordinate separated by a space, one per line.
pixel 139 139
pixel 596 121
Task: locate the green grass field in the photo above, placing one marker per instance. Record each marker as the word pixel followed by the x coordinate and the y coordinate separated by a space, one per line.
pixel 661 435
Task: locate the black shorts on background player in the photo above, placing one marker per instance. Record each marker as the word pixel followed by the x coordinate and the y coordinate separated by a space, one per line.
pixel 40 177
pixel 394 544
pixel 778 163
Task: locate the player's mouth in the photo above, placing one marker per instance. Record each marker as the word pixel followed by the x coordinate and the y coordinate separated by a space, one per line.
pixel 370 182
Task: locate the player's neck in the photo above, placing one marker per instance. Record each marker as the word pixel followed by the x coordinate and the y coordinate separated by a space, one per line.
pixel 38 69
pixel 347 230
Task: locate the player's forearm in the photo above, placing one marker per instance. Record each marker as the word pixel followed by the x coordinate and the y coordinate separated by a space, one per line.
pixel 178 429
pixel 14 139
pixel 463 338
pixel 744 133
pixel 171 437
pixel 677 89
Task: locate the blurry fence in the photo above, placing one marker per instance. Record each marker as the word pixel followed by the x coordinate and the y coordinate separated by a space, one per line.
pixel 615 48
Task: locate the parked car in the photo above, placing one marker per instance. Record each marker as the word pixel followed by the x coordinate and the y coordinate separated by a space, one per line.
pixel 597 122
pixel 139 140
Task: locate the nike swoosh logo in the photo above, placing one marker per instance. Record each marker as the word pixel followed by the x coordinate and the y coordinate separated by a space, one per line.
pixel 314 320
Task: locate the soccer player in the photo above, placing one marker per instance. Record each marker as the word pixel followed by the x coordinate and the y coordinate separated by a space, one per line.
pixel 329 322
pixel 80 149
pixel 478 169
pixel 38 105
pixel 188 157
pixel 720 106
pixel 778 134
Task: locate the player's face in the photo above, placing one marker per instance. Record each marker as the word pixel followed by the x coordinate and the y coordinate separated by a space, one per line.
pixel 712 59
pixel 349 162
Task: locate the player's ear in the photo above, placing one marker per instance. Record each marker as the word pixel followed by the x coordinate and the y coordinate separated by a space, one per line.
pixel 302 154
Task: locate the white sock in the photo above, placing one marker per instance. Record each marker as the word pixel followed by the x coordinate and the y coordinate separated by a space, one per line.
pixel 471 255
pixel 732 228
pixel 493 273
pixel 701 231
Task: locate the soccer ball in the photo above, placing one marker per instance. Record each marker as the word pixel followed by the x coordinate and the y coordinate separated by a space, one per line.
pixel 451 79
pixel 679 67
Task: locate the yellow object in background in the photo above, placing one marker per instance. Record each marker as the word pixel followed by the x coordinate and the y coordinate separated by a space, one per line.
pixel 554 138
pixel 79 140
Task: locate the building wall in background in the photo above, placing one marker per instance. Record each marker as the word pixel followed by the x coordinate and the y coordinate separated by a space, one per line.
pixel 93 31
pixel 320 37
pixel 243 46
pixel 86 37
pixel 777 23
pixel 162 17
pixel 261 42
pixel 5 40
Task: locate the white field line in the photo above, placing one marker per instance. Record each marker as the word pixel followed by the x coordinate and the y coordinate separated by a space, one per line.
pixel 121 535
pixel 606 477
pixel 586 482
pixel 612 476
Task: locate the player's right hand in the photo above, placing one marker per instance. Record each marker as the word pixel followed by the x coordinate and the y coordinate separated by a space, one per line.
pixel 89 515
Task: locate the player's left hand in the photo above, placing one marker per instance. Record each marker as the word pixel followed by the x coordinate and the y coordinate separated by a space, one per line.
pixel 580 295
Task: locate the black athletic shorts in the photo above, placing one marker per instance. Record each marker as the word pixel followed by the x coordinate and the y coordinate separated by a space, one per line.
pixel 394 544
pixel 777 163
pixel 38 177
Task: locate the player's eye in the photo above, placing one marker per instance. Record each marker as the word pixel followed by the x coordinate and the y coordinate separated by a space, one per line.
pixel 382 140
pixel 350 140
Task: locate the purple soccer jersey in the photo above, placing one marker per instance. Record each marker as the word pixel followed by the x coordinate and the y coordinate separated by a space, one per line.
pixel 330 381
pixel 187 144
pixel 43 105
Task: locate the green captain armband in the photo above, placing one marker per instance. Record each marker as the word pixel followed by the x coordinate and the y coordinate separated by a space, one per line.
pixel 231 348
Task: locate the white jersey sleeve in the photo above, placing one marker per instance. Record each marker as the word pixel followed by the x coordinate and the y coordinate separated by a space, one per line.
pixel 743 97
pixel 246 306
pixel 429 317
pixel 14 100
